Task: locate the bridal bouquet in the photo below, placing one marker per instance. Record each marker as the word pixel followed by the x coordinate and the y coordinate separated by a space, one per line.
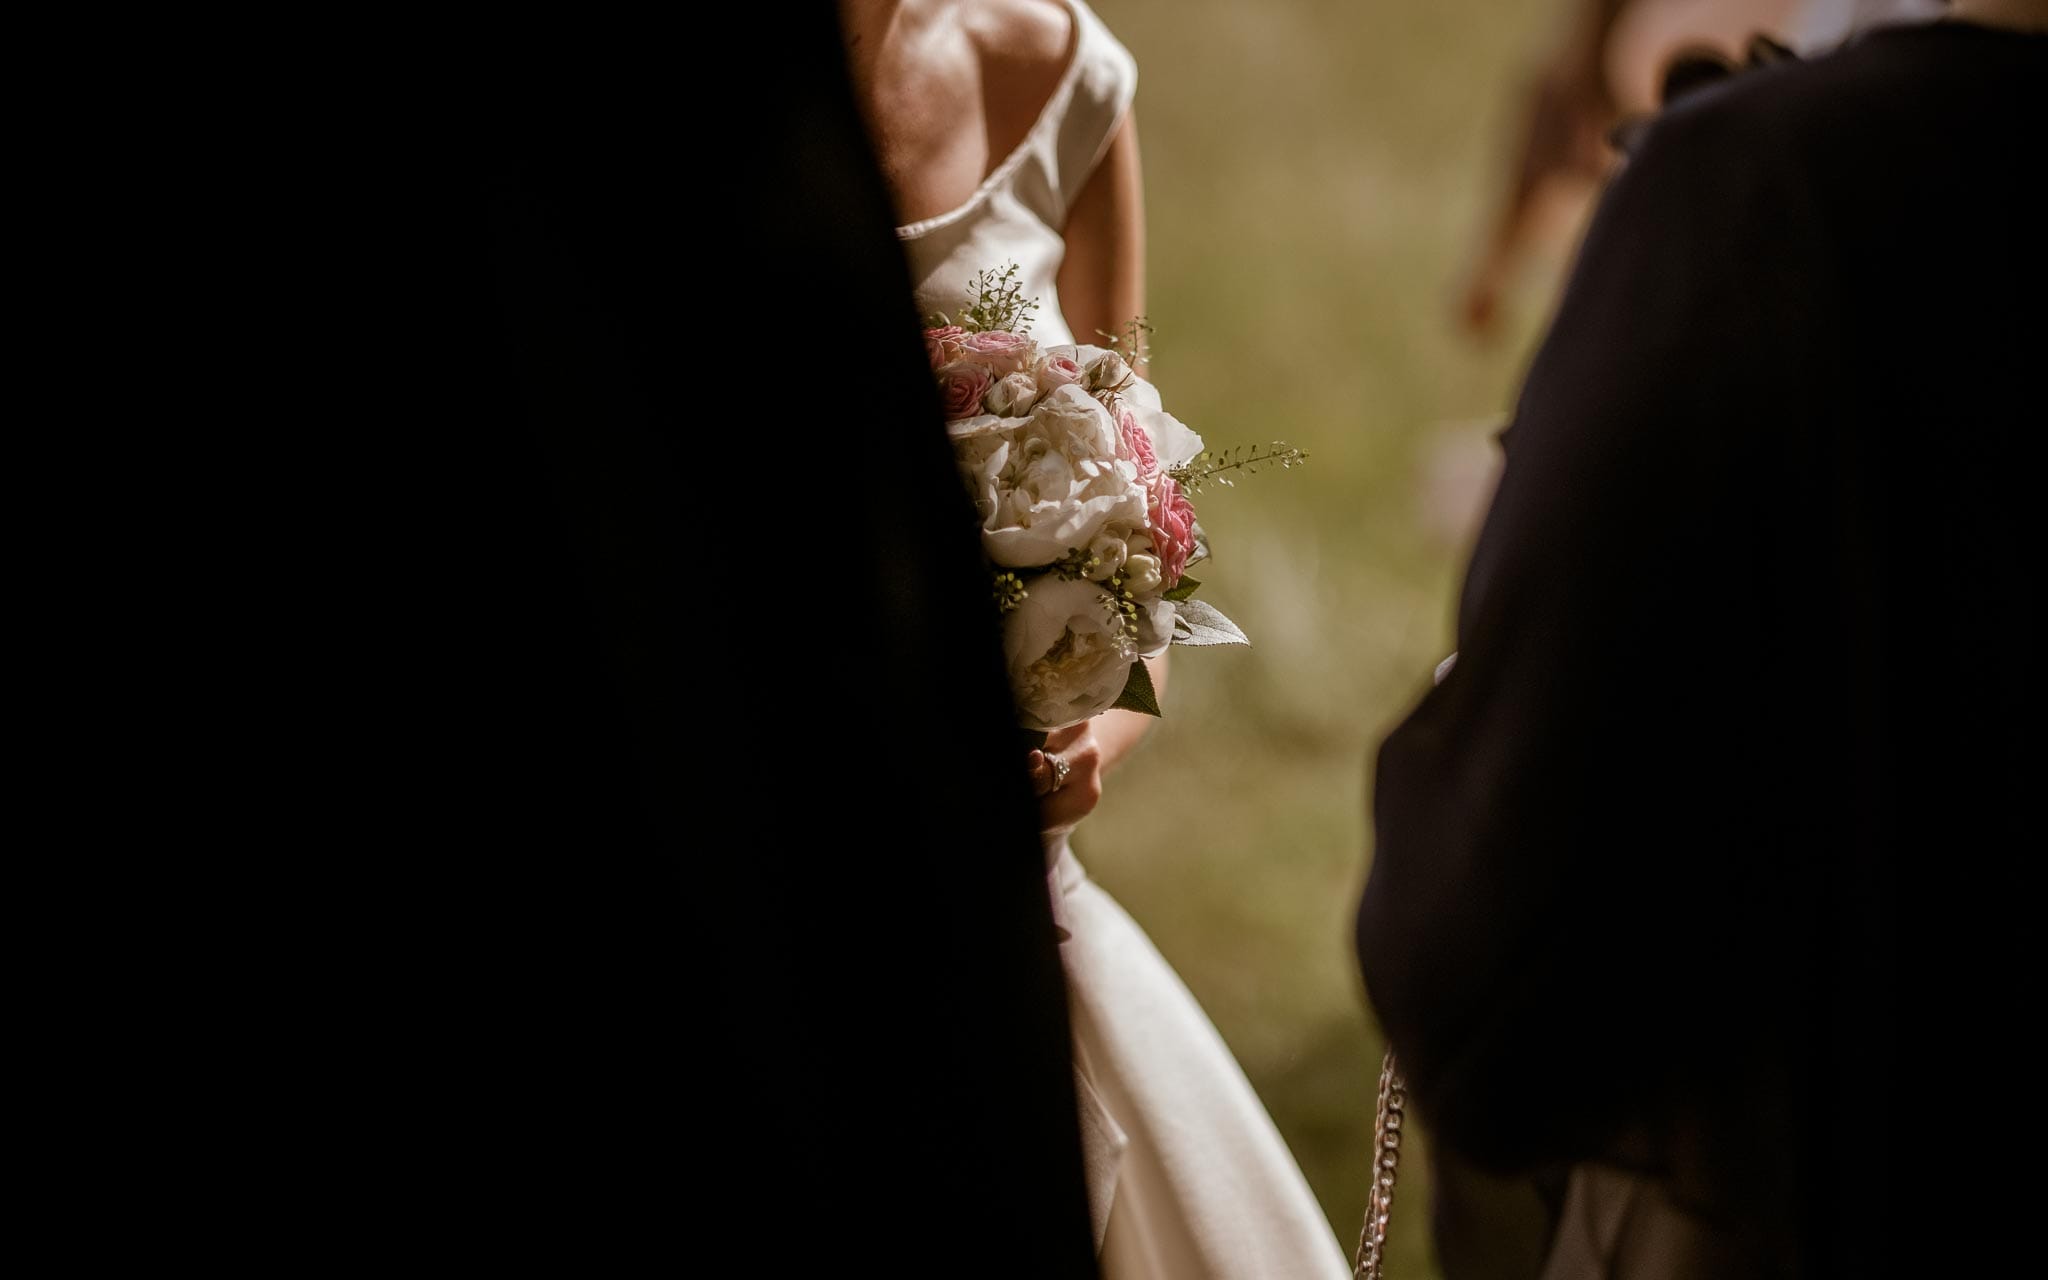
pixel 1082 483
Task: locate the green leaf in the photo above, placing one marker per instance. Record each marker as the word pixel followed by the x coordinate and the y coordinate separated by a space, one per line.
pixel 1197 623
pixel 1138 694
pixel 1185 591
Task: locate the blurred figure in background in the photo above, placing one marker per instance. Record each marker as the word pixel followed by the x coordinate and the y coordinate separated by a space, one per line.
pixel 1616 60
pixel 1692 875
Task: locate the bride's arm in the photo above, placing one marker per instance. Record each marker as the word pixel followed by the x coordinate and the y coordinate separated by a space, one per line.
pixel 1102 289
pixel 1102 279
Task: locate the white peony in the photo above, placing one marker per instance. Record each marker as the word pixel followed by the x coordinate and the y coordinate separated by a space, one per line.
pixel 981 445
pixel 1068 657
pixel 1013 396
pixel 1172 439
pixel 1054 484
pixel 1155 626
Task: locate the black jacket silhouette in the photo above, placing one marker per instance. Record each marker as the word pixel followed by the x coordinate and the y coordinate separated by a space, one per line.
pixel 1689 864
pixel 685 891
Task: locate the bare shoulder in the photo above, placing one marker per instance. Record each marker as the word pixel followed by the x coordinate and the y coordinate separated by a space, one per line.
pixel 1026 39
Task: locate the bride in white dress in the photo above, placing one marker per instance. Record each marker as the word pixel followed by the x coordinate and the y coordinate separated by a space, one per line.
pixel 1005 131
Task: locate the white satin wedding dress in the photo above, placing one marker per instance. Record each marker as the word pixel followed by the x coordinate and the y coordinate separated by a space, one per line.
pixel 1187 1177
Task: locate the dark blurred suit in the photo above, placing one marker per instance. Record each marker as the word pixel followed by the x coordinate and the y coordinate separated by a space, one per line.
pixel 694 906
pixel 1697 863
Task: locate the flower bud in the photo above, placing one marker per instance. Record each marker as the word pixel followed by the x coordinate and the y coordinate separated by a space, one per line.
pixel 1110 553
pixel 1143 575
pixel 1107 371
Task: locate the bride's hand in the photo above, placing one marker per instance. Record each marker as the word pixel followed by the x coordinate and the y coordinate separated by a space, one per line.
pixel 1061 810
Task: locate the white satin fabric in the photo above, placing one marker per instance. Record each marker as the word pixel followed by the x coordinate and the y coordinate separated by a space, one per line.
pixel 1019 214
pixel 1187 1177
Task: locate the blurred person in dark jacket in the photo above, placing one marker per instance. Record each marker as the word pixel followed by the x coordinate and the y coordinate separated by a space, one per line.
pixel 1691 872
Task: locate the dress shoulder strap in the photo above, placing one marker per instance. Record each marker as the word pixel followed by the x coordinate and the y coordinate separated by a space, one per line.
pixel 1093 100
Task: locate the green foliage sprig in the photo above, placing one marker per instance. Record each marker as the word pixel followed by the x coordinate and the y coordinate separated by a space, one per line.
pixel 1009 592
pixel 1133 343
pixel 1248 459
pixel 1078 563
pixel 1119 602
pixel 999 303
pixel 1122 607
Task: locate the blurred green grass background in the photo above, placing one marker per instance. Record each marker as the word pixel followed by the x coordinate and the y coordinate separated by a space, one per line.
pixel 1317 174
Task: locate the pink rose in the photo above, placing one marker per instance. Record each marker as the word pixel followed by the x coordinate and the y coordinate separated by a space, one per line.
pixel 1171 522
pixel 999 349
pixel 962 384
pixel 943 344
pixel 1053 372
pixel 1138 446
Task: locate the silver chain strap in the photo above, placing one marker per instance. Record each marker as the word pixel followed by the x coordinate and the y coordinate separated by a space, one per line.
pixel 1370 1261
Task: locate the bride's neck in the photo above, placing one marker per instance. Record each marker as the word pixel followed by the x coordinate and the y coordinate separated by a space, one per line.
pixel 2016 15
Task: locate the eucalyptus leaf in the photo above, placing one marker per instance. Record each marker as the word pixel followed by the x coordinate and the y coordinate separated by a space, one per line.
pixel 1138 694
pixel 1197 623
